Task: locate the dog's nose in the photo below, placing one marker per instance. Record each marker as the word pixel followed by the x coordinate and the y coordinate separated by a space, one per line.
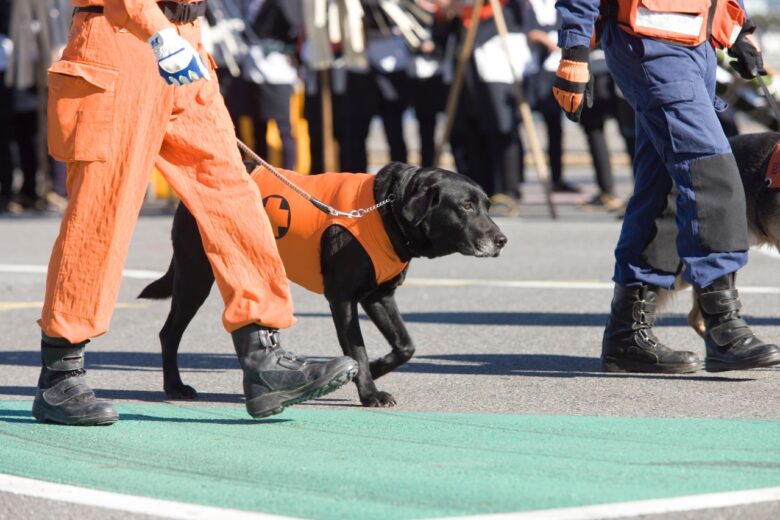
pixel 500 241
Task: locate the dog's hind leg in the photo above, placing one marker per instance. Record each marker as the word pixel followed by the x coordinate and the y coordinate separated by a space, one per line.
pixel 345 317
pixel 192 281
pixel 383 311
pixel 695 319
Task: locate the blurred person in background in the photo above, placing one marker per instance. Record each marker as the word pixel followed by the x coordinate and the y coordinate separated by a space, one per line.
pixel 541 25
pixel 38 29
pixel 426 75
pixel 605 106
pixel 270 70
pixel 6 107
pixel 380 88
pixel 485 139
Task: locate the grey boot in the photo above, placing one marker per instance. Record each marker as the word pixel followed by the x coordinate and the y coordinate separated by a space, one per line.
pixel 629 344
pixel 275 378
pixel 731 345
pixel 63 395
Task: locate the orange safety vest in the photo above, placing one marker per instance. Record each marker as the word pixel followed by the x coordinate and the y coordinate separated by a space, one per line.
pixel 298 225
pixel 684 22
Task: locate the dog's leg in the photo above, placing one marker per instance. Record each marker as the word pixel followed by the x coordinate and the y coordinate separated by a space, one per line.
pixel 695 319
pixel 383 311
pixel 192 281
pixel 345 317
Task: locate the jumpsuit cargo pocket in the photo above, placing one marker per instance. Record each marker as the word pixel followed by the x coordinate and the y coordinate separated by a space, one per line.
pixel 685 112
pixel 80 111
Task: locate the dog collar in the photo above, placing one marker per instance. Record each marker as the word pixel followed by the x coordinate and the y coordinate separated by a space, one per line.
pixel 773 170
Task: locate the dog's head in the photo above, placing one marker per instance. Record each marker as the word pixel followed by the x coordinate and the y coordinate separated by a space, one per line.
pixel 441 212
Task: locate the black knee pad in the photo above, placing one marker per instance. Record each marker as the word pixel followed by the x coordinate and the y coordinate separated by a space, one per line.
pixel 720 203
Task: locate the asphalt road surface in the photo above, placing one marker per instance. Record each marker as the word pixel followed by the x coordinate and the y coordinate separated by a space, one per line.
pixel 506 376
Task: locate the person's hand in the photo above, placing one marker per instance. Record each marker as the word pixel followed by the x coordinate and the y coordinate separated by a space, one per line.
pixel 747 52
pixel 177 60
pixel 573 86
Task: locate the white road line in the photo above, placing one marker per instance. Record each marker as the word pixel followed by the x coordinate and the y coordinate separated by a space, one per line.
pixel 546 284
pixel 121 502
pixel 643 507
pixel 180 510
pixel 515 284
pixel 139 274
pixel 587 285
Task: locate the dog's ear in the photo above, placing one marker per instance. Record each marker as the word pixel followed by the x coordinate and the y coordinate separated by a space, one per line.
pixel 419 202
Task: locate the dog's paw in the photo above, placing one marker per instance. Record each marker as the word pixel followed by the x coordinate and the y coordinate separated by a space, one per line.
pixel 180 392
pixel 379 400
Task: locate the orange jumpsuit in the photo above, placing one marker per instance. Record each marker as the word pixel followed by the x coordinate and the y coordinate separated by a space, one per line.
pixel 298 225
pixel 111 119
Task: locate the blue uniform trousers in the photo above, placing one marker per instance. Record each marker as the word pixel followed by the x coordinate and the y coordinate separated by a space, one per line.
pixel 678 140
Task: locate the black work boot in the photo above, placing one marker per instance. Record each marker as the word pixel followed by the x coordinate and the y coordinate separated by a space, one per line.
pixel 63 394
pixel 731 345
pixel 629 344
pixel 275 378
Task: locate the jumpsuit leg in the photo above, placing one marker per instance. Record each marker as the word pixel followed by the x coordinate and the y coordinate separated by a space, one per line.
pixel 109 162
pixel 200 159
pixel 672 91
pixel 106 192
pixel 646 203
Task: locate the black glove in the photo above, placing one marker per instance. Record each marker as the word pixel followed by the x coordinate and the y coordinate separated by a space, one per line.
pixel 573 86
pixel 749 62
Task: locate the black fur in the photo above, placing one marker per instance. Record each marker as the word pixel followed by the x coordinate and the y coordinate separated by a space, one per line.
pixel 435 213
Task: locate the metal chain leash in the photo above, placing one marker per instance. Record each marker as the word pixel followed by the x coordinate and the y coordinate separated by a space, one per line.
pixel 355 213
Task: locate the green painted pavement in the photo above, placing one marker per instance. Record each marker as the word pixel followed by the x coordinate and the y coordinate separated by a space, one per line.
pixel 377 464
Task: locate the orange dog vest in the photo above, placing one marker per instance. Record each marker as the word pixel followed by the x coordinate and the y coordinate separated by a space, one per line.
pixel 298 225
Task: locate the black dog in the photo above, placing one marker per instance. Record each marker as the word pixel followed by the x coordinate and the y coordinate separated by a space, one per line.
pixel 434 213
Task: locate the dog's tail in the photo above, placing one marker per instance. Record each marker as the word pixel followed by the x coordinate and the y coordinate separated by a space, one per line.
pixel 160 289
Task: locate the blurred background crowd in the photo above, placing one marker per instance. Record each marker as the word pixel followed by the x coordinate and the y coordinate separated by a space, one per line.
pixel 307 81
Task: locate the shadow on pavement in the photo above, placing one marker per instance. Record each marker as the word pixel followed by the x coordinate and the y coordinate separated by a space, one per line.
pixel 544 319
pixel 133 395
pixel 534 365
pixel 142 417
pixel 25 416
pixel 103 359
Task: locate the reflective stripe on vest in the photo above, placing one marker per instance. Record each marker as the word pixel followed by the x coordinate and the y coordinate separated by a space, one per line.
pixel 688 25
pixel 683 22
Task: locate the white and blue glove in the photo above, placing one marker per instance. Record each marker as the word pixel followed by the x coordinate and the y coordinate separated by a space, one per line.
pixel 177 60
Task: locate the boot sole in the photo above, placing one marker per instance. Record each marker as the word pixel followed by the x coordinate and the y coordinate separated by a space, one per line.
pixel 766 360
pixel 47 414
pixel 274 403
pixel 615 365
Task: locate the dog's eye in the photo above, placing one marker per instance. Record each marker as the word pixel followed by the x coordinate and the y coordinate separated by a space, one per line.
pixel 468 206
